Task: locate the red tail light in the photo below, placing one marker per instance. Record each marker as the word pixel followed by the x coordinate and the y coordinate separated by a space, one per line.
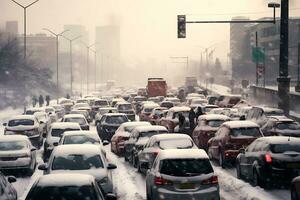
pixel 211 181
pixel 161 181
pixel 268 158
pixel 155 154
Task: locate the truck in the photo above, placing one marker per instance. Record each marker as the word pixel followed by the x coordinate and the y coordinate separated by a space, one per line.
pixel 156 87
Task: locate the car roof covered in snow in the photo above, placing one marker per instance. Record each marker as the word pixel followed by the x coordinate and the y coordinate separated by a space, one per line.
pixel 114 114
pixel 280 140
pixel 150 105
pixel 7 138
pixel 213 117
pixel 107 108
pixel 137 123
pixel 74 116
pixel 269 109
pixel 65 125
pixel 240 124
pixel 182 154
pixel 31 117
pixel 81 149
pixel 65 179
pixel 170 136
pixel 150 128
pixel 71 133
pixel 280 118
pixel 180 109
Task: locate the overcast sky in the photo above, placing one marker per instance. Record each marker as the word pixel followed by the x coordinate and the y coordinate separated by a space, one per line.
pixel 148 27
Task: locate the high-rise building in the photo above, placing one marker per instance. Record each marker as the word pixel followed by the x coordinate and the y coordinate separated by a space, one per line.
pixel 11 27
pixel 74 30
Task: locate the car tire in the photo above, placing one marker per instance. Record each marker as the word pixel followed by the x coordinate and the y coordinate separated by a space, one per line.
pixel 148 195
pixel 238 171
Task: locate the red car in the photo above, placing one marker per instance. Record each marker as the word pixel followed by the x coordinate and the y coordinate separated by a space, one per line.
pixel 230 138
pixel 171 120
pixel 122 134
pixel 156 115
pixel 206 128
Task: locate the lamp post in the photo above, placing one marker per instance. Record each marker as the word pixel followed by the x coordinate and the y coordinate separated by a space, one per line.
pixel 95 62
pixel 87 64
pixel 71 59
pixel 25 16
pixel 57 67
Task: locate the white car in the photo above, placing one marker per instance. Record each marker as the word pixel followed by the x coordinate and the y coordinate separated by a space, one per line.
pixel 17 152
pixel 77 118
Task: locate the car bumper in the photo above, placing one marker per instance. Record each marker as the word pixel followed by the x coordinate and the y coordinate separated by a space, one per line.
pixel 20 163
pixel 279 175
pixel 211 193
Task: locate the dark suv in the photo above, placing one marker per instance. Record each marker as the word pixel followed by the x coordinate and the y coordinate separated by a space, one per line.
pixel 269 160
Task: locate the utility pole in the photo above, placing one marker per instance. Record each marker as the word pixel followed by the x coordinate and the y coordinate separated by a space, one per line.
pixel 297 87
pixel 71 59
pixel 283 78
pixel 57 67
pixel 25 24
pixel 256 60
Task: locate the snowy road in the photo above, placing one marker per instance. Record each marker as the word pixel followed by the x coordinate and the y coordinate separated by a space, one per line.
pixel 130 185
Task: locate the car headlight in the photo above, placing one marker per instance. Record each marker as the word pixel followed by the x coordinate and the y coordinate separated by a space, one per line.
pixel 104 180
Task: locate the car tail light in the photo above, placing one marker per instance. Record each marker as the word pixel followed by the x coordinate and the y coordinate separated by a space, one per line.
pixel 268 158
pixel 211 181
pixel 161 181
pixel 155 154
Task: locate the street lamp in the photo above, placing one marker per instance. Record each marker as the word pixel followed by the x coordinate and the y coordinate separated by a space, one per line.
pixel 87 64
pixel 25 9
pixel 57 71
pixel 95 62
pixel 71 58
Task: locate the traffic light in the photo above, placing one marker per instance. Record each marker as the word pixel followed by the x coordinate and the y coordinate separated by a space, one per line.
pixel 181 27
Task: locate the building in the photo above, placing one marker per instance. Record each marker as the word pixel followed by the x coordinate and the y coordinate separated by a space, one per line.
pixel 74 30
pixel 11 27
pixel 108 40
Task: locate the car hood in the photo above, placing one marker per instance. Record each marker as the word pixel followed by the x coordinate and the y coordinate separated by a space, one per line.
pixel 97 173
pixel 20 128
pixel 15 153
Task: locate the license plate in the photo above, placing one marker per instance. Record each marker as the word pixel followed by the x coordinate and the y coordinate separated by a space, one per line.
pixel 185 186
pixel 293 165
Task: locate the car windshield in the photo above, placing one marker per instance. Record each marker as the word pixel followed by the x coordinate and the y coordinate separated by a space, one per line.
pixel 125 107
pixel 79 139
pixel 85 192
pixel 281 148
pixel 101 103
pixel 30 112
pixel 245 132
pixel 116 119
pixel 104 111
pixel 167 104
pixel 215 123
pixel 150 133
pixel 21 122
pixel 175 144
pixel 185 167
pixel 81 105
pixel 288 126
pixel 78 120
pixel 148 110
pixel 57 132
pixel 77 162
pixel 13 145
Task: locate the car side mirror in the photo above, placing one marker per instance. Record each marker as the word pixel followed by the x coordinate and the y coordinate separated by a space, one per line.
pixel 55 144
pixel 43 167
pixel 105 142
pixel 242 151
pixel 111 166
pixel 110 196
pixel 145 165
pixel 33 149
pixel 11 179
pixel 4 124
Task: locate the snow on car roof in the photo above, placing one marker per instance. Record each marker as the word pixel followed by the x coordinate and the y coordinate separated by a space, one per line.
pixel 150 128
pixel 213 117
pixel 182 154
pixel 127 124
pixel 280 139
pixel 107 108
pixel 114 114
pixel 70 133
pixel 269 109
pixel 151 105
pixel 65 179
pixel 240 124
pixel 74 116
pixel 87 149
pixel 65 125
pixel 169 136
pixel 180 109
pixel 280 118
pixel 5 138
pixel 123 103
pixel 31 117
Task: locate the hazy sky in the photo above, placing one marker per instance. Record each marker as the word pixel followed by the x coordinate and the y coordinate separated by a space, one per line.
pixel 148 27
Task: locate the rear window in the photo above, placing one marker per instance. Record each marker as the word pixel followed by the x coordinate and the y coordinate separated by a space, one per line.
pixel 151 133
pixel 185 167
pixel 80 139
pixel 58 132
pixel 13 145
pixel 245 132
pixel 148 110
pixel 234 100
pixel 125 107
pixel 101 103
pixel 215 123
pixel 281 148
pixel 21 122
pixel 116 119
pixel 288 126
pixel 176 144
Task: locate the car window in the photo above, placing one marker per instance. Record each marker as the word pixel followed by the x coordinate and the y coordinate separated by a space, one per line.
pixel 288 126
pixel 215 123
pixel 115 119
pixel 13 145
pixel 245 132
pixel 185 167
pixel 150 133
pixel 281 148
pixel 79 139
pixel 80 121
pixel 21 122
pixel 57 132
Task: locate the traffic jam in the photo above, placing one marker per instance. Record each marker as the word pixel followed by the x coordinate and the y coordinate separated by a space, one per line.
pixel 172 143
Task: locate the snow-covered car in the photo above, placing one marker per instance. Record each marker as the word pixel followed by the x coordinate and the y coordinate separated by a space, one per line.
pixel 182 174
pixel 228 101
pixel 27 125
pixel 122 134
pixel 8 192
pixel 174 100
pixel 146 111
pixel 205 108
pixel 162 142
pixel 281 126
pixel 51 113
pixel 44 120
pixel 82 159
pixel 59 110
pixel 31 111
pixel 83 112
pixel 77 118
pixel 99 103
pixel 206 128
pixel 230 138
pixel 116 100
pixel 156 115
pixel 84 100
pixel 103 111
pixel 125 107
pixel 167 104
pixel 55 133
pixel 83 106
pixel 270 161
pixel 17 153
pixel 260 114
pixel 137 139
pixel 198 101
pixel 67 104
pixel 109 123
pixel 67 186
pixel 171 120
